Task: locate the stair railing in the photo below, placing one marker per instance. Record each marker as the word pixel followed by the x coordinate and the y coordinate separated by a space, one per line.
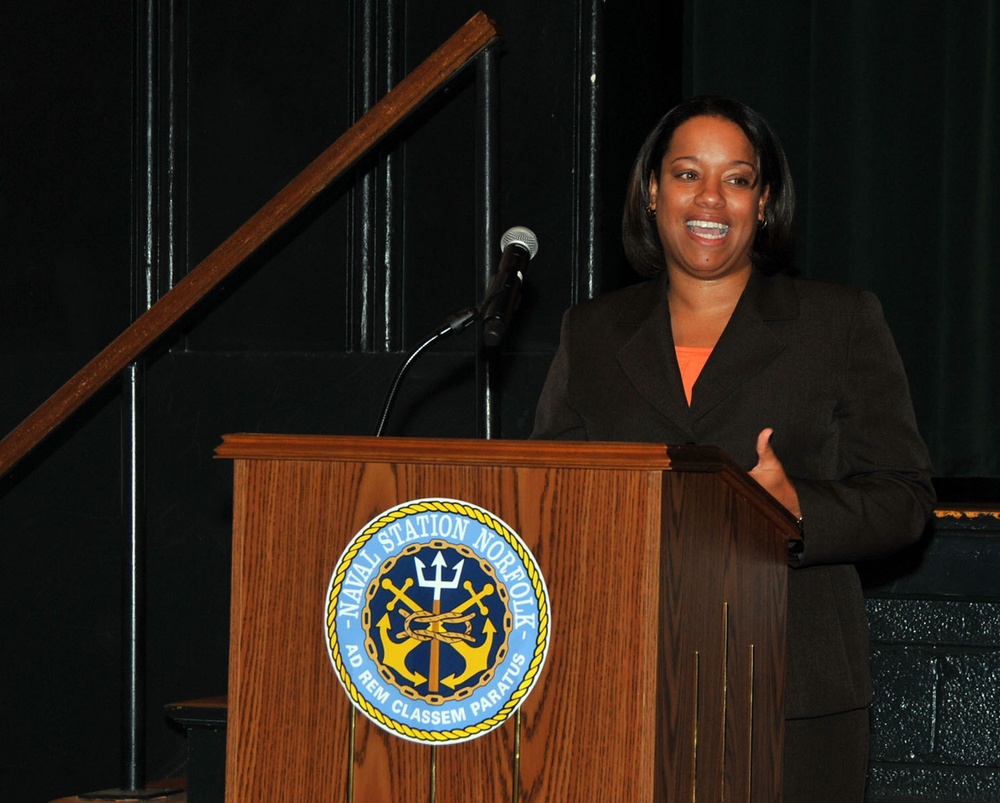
pixel 431 75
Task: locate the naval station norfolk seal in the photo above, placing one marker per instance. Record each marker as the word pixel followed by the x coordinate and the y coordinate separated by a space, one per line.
pixel 437 621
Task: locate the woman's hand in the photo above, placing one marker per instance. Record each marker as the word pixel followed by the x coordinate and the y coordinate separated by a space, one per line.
pixel 770 474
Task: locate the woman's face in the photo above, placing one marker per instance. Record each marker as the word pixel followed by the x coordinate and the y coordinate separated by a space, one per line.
pixel 708 199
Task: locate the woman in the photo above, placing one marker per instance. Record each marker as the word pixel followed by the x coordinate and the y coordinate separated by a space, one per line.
pixel 799 381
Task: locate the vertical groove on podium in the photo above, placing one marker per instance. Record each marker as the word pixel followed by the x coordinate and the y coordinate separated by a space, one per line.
pixel 352 732
pixel 694 727
pixel 432 796
pixel 749 736
pixel 515 787
pixel 725 698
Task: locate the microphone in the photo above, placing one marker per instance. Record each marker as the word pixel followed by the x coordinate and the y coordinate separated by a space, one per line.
pixel 519 245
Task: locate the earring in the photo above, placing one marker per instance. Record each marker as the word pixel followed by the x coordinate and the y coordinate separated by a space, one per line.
pixel 762 223
pixel 650 212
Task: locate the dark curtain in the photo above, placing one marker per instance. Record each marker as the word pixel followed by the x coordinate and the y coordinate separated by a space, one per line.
pixel 889 112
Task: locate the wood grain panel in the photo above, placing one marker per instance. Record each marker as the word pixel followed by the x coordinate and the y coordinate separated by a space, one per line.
pixel 667 601
pixel 722 665
pixel 595 703
pixel 288 716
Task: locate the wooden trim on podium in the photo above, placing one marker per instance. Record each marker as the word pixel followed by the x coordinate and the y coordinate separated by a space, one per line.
pixel 444 451
pixel 476 452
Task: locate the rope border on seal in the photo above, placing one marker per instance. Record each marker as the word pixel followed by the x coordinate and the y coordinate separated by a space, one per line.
pixel 537 584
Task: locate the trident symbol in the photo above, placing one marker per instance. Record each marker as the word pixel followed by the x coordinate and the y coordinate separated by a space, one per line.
pixel 437 584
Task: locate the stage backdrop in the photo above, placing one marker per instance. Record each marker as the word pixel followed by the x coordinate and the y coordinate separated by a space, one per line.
pixel 890 113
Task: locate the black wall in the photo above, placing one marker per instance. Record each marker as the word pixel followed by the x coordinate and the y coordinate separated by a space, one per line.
pixel 134 141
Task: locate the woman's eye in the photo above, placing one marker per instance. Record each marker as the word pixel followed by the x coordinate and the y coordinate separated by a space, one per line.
pixel 740 181
pixel 686 175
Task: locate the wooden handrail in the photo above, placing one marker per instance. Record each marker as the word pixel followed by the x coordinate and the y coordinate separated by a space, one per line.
pixel 385 115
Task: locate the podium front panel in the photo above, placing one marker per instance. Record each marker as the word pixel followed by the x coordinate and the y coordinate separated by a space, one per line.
pixel 650 572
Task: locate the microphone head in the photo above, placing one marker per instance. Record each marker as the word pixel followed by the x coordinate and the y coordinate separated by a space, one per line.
pixel 523 236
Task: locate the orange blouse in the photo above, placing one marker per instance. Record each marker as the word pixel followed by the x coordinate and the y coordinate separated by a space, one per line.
pixel 691 360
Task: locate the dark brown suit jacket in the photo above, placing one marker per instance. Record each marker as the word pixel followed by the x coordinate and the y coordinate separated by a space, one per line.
pixel 817 363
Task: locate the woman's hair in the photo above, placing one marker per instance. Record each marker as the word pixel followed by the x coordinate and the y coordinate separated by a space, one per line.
pixel 772 245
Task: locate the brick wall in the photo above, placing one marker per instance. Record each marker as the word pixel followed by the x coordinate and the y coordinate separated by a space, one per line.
pixel 934 613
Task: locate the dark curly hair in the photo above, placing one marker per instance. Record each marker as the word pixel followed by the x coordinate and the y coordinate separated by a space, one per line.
pixel 772 246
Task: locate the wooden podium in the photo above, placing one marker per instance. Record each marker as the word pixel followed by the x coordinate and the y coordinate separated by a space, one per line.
pixel 666 573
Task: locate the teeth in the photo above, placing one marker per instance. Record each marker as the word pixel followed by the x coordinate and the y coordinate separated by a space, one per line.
pixel 709 229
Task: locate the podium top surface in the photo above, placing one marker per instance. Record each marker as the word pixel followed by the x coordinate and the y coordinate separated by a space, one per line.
pixel 587 454
pixel 591 455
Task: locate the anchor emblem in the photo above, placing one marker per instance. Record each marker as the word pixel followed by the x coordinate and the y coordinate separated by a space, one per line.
pixel 437 621
pixel 437 629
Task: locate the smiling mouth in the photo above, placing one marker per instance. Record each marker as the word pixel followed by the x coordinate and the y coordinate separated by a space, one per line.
pixel 708 229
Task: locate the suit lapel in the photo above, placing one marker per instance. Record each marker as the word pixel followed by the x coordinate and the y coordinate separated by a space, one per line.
pixel 748 342
pixel 648 359
pixel 747 345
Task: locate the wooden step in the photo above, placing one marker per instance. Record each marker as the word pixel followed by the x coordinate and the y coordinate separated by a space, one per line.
pixel 204 721
pixel 116 796
pixel 207 712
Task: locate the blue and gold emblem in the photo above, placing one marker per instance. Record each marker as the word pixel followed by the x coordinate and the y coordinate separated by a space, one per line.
pixel 437 620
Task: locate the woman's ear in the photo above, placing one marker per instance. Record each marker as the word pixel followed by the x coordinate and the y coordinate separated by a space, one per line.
pixel 762 204
pixel 654 186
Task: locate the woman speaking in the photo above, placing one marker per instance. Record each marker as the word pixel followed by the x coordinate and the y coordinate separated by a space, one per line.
pixel 798 381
